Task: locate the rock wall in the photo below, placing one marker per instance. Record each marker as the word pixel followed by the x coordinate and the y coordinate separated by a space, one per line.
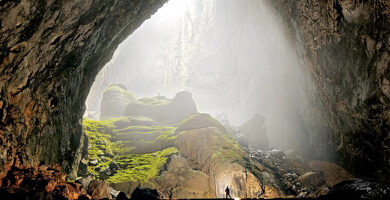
pixel 50 52
pixel 344 45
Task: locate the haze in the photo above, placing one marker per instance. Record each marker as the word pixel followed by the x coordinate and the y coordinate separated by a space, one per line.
pixel 231 55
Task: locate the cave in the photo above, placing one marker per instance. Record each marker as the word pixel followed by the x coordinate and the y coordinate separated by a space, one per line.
pixel 52 51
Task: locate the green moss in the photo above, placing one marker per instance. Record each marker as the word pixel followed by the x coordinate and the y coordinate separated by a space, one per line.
pixel 144 139
pixel 116 88
pixel 140 168
pixel 153 101
pixel 104 148
pixel 99 143
pixel 102 125
pixel 232 152
pixel 200 120
pixel 147 129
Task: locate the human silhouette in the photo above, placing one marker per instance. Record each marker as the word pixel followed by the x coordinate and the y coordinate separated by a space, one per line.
pixel 227 191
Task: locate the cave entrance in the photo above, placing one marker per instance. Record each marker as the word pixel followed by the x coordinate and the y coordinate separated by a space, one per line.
pixel 232 56
pixel 229 59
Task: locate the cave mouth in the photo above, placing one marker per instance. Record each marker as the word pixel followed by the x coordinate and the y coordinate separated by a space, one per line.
pixel 235 59
pixel 196 68
pixel 51 51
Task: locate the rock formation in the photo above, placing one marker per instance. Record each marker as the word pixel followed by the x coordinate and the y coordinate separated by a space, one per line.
pixel 180 181
pixel 218 156
pixel 254 132
pixel 99 190
pixel 197 159
pixel 163 110
pixel 115 99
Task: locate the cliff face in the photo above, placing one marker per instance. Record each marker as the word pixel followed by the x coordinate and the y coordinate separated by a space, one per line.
pixel 345 49
pixel 50 53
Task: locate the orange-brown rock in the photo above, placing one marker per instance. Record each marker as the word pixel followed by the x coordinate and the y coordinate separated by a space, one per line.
pixel 99 189
pixel 40 183
pixel 180 181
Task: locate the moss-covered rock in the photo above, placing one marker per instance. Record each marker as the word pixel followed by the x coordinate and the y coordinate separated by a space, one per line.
pixel 163 110
pixel 140 167
pixel 216 153
pixel 158 100
pixel 115 99
pixel 144 139
pixel 200 120
pixel 124 122
pixel 135 153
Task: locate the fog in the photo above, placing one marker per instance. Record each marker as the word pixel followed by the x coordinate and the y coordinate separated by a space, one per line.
pixel 232 55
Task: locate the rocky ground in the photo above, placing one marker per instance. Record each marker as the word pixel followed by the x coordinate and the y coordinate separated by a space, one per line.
pixel 301 177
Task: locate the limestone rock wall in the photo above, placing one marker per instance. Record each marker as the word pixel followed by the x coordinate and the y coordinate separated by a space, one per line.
pixel 345 48
pixel 50 52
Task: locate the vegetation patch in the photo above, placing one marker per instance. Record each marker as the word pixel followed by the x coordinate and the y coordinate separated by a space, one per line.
pixel 105 148
pixel 99 149
pixel 153 101
pixel 128 96
pixel 140 167
pixel 142 139
pixel 200 120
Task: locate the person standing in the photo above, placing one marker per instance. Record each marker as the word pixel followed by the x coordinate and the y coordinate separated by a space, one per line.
pixel 227 191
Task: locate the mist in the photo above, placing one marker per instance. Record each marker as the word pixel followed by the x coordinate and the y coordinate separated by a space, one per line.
pixel 231 55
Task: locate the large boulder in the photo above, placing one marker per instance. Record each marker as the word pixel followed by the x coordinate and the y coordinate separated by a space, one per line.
pixel 312 179
pixel 85 181
pixel 241 181
pixel 99 190
pixel 180 181
pixel 162 110
pixel 213 151
pixel 115 99
pixel 255 133
pixel 201 120
pixel 124 122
